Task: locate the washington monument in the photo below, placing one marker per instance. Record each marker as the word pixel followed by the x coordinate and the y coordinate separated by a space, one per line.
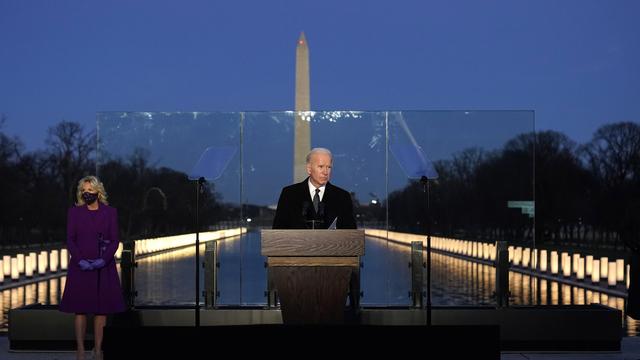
pixel 302 136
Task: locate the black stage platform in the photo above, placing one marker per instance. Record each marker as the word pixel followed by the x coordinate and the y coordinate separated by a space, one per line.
pixel 526 328
pixel 303 341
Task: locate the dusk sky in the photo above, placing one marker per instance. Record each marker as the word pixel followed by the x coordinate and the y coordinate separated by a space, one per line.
pixel 575 63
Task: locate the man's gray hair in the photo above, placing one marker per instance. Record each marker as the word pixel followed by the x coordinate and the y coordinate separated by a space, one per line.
pixel 318 150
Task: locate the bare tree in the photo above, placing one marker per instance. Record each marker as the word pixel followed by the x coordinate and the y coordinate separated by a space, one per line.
pixel 561 188
pixel 613 154
pixel 71 151
pixel 9 152
pixel 10 148
pixel 466 162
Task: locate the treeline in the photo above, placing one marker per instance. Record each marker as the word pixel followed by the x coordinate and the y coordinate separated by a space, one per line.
pixel 586 195
pixel 37 187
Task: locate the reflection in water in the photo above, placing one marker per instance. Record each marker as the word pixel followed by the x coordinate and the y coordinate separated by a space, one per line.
pixel 456 282
pixel 459 282
pixel 44 292
pixel 168 278
pixel 161 279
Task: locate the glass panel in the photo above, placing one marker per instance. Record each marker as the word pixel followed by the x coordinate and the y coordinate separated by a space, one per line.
pixel 144 159
pixel 484 160
pixel 484 193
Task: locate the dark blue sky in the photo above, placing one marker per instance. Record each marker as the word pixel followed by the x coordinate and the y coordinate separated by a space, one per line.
pixel 574 62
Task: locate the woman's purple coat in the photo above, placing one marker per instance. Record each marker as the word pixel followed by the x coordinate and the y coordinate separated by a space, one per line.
pixel 92 291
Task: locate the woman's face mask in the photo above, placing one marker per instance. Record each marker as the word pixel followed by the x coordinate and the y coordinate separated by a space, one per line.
pixel 89 198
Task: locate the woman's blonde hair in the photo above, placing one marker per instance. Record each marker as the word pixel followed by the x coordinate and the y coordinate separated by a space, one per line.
pixel 96 185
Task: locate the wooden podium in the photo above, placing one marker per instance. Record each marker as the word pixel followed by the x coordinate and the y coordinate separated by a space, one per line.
pixel 313 271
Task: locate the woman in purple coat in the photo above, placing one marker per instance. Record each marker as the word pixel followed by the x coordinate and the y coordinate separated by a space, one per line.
pixel 92 286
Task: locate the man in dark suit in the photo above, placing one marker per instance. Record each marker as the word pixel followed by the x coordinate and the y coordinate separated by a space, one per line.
pixel 315 203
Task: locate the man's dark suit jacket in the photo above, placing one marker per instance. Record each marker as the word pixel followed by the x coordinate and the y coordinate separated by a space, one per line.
pixel 295 208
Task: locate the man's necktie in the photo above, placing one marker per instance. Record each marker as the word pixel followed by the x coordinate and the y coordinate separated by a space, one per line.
pixel 316 200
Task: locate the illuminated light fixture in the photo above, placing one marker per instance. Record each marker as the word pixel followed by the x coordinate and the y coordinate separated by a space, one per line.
pixel 6 261
pixel 43 262
pixel 595 274
pixel 554 262
pixel 534 259
pixel 119 251
pixel 612 274
pixel 574 263
pixel 604 267
pixel 566 264
pixel 15 275
pixel 141 247
pixel 543 260
pixel 34 261
pixel 620 270
pixel 517 256
pixel 54 260
pixel 580 272
pixel 64 259
pixel 589 264
pixel 526 257
pixel 20 258
pixel 28 267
